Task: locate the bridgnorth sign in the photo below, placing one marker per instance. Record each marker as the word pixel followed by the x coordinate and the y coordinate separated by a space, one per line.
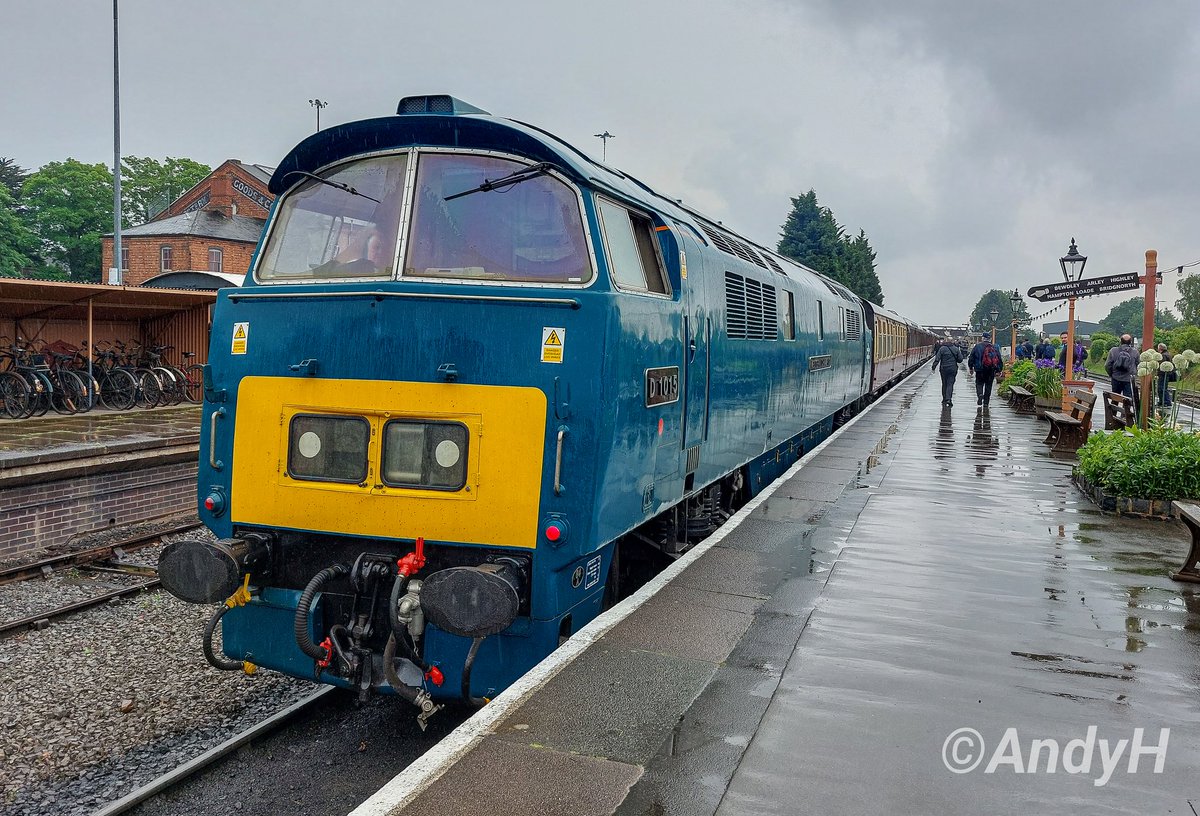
pixel 1086 288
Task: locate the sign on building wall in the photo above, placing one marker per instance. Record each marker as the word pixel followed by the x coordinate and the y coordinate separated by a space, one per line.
pixel 252 194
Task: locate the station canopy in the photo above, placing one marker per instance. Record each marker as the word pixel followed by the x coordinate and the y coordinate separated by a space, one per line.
pixel 32 299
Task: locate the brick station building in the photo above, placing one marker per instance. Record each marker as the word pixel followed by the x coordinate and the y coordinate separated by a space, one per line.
pixel 205 238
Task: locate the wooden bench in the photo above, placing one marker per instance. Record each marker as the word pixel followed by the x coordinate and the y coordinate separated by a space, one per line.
pixel 1118 412
pixel 1070 429
pixel 1189 514
pixel 1021 400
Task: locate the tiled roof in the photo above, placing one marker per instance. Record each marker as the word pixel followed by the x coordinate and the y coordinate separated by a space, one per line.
pixel 259 171
pixel 203 223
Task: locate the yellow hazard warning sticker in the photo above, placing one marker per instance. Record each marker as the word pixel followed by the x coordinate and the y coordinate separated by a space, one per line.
pixel 554 341
pixel 240 333
pixel 683 264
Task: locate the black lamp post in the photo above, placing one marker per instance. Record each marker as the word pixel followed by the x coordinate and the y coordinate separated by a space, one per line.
pixel 1072 265
pixel 1015 300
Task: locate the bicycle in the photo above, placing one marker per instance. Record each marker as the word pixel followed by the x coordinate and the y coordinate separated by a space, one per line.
pixel 117 387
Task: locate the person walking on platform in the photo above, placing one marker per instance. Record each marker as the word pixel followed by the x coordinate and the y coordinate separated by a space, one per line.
pixel 1121 365
pixel 986 363
pixel 1028 346
pixel 946 359
pixel 1164 377
pixel 1044 350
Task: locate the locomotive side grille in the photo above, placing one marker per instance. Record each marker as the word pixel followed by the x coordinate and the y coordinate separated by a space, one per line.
pixel 735 305
pixel 775 265
pixel 736 248
pixel 750 308
pixel 853 329
pixel 718 239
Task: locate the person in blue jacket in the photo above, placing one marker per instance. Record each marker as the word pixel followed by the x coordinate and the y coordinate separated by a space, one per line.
pixel 946 359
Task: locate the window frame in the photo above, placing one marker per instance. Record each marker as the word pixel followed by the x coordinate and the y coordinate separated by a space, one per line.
pixel 124 257
pixel 465 453
pixel 164 258
pixel 220 256
pixel 789 316
pixel 632 213
pixel 367 461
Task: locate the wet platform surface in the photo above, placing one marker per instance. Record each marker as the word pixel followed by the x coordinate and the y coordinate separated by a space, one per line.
pixel 54 438
pixel 928 571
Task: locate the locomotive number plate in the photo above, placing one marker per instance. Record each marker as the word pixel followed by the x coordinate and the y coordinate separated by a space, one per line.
pixel 662 385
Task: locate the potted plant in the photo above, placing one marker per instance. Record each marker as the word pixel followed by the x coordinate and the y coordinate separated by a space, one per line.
pixel 1046 386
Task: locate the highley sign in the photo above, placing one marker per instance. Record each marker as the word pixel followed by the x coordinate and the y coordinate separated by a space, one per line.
pixel 1086 288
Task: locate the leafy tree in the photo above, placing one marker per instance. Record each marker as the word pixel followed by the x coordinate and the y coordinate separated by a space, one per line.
pixel 18 244
pixel 1127 317
pixel 1189 301
pixel 69 208
pixel 148 185
pixel 12 177
pixel 1101 343
pixel 812 236
pixel 981 315
pixel 1183 337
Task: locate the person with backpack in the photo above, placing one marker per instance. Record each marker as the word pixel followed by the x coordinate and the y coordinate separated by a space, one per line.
pixel 986 363
pixel 1121 365
pixel 946 359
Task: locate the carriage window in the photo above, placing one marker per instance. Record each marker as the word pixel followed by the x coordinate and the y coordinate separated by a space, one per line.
pixel 328 448
pixel 632 257
pixel 530 230
pixel 342 227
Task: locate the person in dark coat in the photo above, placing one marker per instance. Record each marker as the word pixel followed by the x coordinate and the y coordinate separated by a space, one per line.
pixel 946 360
pixel 1121 365
pixel 1028 346
pixel 1164 377
pixel 985 375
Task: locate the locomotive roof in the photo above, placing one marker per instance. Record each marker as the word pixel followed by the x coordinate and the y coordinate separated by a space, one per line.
pixel 458 124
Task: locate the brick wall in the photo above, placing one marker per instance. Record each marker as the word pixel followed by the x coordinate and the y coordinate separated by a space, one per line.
pixel 42 515
pixel 187 253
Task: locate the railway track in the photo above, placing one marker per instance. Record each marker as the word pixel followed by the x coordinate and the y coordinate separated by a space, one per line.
pixel 173 777
pixel 107 558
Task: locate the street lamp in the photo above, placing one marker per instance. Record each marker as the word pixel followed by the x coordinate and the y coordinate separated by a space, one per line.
pixel 318 104
pixel 995 313
pixel 1015 300
pixel 1072 265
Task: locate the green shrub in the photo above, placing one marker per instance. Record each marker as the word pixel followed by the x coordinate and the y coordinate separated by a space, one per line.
pixel 1154 464
pixel 1098 352
pixel 1046 383
pixel 1183 337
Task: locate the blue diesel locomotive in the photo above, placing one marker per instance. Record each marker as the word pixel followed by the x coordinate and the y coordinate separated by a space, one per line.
pixel 477 384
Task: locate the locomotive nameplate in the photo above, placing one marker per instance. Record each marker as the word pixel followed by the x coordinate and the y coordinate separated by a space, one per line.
pixel 820 362
pixel 662 386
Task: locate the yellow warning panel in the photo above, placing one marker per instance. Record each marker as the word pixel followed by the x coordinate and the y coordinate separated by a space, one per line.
pixel 554 342
pixel 241 332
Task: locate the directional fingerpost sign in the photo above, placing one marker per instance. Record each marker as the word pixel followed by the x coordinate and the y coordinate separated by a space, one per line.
pixel 1086 288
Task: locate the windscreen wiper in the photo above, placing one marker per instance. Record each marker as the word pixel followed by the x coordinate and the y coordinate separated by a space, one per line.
pixel 344 187
pixel 533 171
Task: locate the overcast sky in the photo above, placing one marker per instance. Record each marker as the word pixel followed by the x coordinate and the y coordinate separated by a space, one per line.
pixel 971 140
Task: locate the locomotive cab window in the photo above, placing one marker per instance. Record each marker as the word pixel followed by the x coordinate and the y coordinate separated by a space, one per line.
pixel 341 225
pixel 468 224
pixel 633 258
pixel 789 317
pixel 430 455
pixel 328 448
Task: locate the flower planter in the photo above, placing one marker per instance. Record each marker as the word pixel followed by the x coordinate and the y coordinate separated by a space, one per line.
pixel 1123 505
pixel 1042 405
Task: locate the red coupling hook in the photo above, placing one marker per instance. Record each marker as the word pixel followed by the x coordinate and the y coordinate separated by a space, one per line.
pixel 414 561
pixel 434 675
pixel 327 645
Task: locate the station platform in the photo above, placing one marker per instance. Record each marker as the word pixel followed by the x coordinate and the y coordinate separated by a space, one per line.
pixel 65 475
pixel 925 615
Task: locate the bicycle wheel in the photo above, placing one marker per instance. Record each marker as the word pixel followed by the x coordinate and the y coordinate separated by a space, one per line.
pixel 118 390
pixel 70 395
pixel 14 394
pixel 172 387
pixel 195 383
pixel 150 390
pixel 91 394
pixel 39 394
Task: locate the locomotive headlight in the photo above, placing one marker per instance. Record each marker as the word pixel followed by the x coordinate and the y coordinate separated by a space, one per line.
pixel 425 454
